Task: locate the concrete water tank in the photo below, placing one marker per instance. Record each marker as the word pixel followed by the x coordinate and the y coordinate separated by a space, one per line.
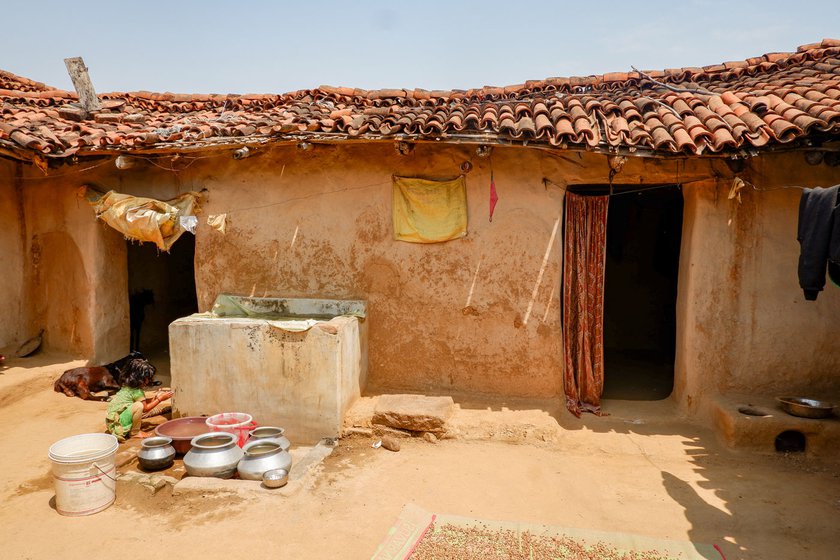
pixel 294 363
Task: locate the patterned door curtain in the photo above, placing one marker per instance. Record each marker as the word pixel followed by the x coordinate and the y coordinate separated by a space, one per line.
pixel 583 301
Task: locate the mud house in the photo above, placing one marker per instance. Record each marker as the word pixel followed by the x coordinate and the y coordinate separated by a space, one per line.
pixel 701 170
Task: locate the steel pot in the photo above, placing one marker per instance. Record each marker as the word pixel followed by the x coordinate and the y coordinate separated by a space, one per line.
pixel 270 433
pixel 261 456
pixel 214 454
pixel 156 453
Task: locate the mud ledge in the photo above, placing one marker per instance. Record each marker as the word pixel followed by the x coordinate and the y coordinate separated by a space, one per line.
pixel 752 422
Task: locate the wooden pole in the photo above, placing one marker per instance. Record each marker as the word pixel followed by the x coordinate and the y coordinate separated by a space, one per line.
pixel 81 81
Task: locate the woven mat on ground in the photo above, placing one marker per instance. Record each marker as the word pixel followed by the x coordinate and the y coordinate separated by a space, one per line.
pixel 414 522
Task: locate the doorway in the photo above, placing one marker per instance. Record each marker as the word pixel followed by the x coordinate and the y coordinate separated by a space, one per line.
pixel 161 288
pixel 644 232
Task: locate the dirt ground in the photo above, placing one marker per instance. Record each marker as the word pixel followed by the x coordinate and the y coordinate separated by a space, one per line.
pixel 641 471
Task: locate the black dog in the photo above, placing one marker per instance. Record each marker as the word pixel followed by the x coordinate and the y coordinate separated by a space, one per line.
pixel 82 382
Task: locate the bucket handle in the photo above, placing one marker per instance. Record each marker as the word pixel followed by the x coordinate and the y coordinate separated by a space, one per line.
pixel 246 428
pixel 243 432
pixel 103 472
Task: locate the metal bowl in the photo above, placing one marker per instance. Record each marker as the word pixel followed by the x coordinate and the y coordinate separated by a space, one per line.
pixel 182 431
pixel 275 478
pixel 805 408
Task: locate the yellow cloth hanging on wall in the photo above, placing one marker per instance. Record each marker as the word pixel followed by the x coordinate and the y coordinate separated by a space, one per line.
pixel 429 211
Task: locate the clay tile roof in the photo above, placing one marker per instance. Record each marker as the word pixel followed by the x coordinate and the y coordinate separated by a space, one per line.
pixel 9 81
pixel 768 101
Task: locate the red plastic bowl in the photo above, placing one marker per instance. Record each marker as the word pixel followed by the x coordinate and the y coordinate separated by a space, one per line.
pixel 182 430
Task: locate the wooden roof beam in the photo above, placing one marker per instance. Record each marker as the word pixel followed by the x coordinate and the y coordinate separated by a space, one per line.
pixel 84 87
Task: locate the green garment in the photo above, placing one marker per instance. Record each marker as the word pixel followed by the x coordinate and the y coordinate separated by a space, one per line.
pixel 118 417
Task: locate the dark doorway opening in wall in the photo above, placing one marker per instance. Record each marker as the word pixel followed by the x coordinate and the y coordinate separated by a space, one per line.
pixel 161 288
pixel 644 231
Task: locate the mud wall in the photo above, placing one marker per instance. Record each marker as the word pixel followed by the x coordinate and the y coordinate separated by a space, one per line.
pixel 11 256
pixel 481 314
pixel 476 315
pixel 74 272
pixel 743 323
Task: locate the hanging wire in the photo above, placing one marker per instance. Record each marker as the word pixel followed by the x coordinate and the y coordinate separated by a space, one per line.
pixel 69 173
pixel 172 169
pixel 192 159
pixel 767 189
pixel 657 187
pixel 313 195
pixel 678 184
pixel 639 190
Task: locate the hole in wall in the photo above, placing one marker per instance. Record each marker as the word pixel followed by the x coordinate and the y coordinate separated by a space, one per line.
pixel 790 441
pixel 750 410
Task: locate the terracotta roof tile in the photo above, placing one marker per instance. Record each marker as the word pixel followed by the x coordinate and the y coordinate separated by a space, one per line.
pixel 13 82
pixel 777 98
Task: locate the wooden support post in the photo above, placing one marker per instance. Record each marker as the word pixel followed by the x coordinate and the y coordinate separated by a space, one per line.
pixel 81 81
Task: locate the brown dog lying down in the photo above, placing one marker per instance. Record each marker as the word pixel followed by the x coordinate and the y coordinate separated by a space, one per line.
pixel 82 382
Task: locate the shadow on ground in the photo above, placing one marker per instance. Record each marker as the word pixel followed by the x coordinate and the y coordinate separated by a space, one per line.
pixel 751 504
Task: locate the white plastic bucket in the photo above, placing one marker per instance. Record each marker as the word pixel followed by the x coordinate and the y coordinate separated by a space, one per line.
pixel 236 423
pixel 84 473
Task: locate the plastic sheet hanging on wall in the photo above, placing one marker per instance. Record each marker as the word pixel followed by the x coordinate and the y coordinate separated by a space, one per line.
pixel 144 219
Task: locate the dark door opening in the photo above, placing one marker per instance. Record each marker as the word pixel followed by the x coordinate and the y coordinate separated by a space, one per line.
pixel 644 231
pixel 161 288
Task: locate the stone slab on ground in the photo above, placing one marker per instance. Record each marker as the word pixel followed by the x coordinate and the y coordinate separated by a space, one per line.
pixel 354 431
pixel 203 485
pixel 304 462
pixel 417 413
pixel 152 482
pixel 125 456
pixel 302 468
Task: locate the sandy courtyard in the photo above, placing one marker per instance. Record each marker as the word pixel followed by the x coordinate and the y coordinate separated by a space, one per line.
pixel 639 471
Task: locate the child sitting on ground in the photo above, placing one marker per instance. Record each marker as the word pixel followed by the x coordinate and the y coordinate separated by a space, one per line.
pixel 130 406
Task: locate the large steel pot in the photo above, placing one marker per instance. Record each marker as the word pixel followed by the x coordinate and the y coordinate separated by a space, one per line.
pixel 270 433
pixel 156 453
pixel 215 454
pixel 261 456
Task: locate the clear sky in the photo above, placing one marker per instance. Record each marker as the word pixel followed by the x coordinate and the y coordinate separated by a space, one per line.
pixel 273 47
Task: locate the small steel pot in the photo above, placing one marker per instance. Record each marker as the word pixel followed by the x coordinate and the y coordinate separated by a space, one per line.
pixel 270 433
pixel 156 453
pixel 215 454
pixel 261 456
